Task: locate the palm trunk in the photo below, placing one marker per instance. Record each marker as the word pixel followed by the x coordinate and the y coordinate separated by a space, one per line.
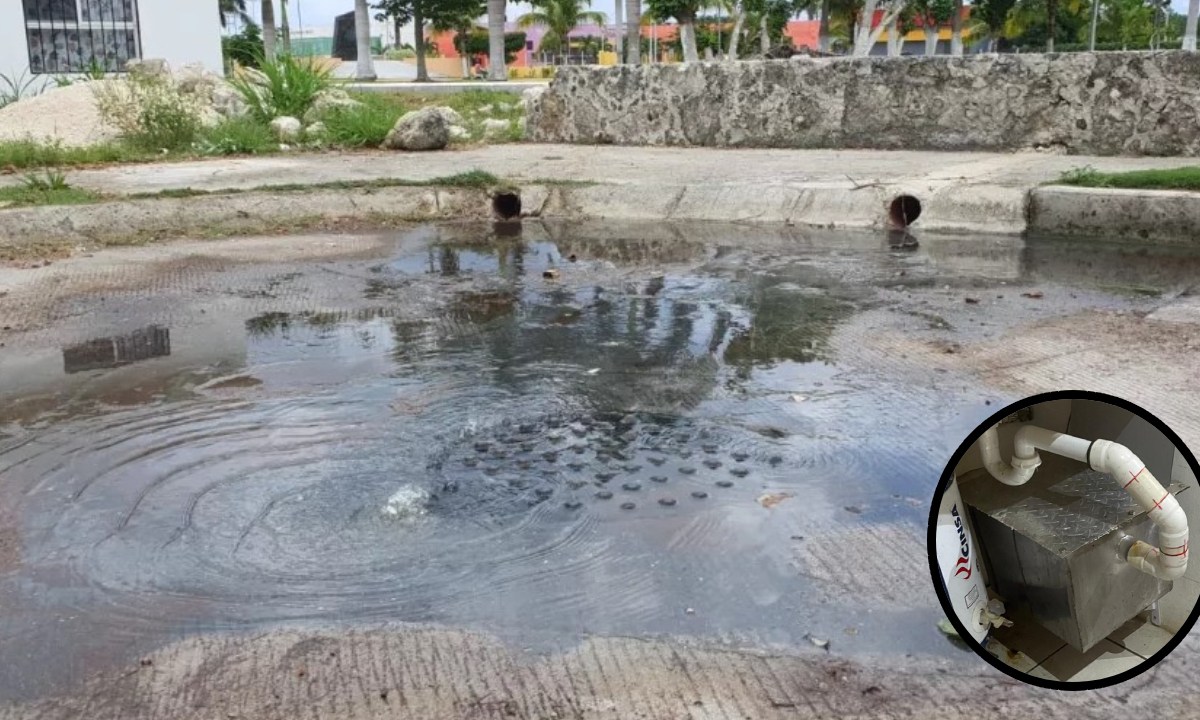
pixel 1051 18
pixel 956 29
pixel 633 31
pixel 365 70
pixel 894 40
pixel 268 29
pixel 285 27
pixel 764 40
pixel 396 32
pixel 930 28
pixel 495 14
pixel 736 37
pixel 619 40
pixel 419 41
pixel 687 34
pixel 1189 32
pixel 823 36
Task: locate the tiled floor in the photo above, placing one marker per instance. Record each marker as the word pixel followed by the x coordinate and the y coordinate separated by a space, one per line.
pixel 1030 649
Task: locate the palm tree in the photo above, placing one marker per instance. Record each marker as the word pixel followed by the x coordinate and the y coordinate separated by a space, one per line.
pixel 362 35
pixel 684 12
pixel 560 17
pixel 268 29
pixel 633 31
pixel 286 27
pixel 234 8
pixel 496 11
pixel 1189 32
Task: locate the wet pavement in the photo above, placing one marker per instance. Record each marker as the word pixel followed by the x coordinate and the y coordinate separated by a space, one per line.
pixel 543 433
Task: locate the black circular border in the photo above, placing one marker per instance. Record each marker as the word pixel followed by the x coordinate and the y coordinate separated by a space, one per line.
pixel 935 571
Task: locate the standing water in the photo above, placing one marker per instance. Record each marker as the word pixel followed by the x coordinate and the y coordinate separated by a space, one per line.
pixel 538 438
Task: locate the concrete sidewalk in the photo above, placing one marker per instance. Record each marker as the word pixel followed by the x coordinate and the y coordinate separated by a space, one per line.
pixel 957 192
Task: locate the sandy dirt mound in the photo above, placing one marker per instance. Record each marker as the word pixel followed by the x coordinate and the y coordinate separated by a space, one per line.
pixel 64 114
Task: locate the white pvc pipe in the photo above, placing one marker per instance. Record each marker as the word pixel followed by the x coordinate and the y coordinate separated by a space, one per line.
pixel 1166 562
pixel 1169 560
pixel 1016 474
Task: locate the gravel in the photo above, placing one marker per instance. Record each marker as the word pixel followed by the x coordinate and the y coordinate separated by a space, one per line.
pixel 67 115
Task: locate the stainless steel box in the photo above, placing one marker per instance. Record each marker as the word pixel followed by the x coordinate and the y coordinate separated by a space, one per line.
pixel 1053 544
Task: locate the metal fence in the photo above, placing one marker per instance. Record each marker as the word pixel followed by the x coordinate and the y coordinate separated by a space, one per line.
pixel 77 36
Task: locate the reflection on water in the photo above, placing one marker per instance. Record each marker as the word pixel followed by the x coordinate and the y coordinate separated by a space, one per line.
pixel 593 448
pixel 150 342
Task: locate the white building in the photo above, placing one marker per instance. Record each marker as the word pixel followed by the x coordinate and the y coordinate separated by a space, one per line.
pixel 49 38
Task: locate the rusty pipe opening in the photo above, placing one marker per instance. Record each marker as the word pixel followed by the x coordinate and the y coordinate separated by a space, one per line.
pixel 904 210
pixel 506 205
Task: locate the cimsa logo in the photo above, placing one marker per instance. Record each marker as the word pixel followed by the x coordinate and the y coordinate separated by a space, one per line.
pixel 962 568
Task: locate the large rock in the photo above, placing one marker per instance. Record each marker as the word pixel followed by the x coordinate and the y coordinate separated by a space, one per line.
pixel 1083 103
pixel 148 68
pixel 450 115
pixel 286 129
pixel 424 129
pixel 532 97
pixel 328 101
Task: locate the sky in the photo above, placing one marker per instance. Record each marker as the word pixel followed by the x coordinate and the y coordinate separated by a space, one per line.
pixel 322 12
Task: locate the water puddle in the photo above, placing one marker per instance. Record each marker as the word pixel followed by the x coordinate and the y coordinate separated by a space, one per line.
pixel 583 436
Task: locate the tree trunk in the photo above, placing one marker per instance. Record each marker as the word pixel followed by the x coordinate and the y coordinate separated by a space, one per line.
pixel 736 37
pixel 894 40
pixel 930 29
pixel 285 27
pixel 1051 18
pixel 865 36
pixel 956 28
pixel 460 44
pixel 633 31
pixel 495 15
pixel 764 41
pixel 268 29
pixel 619 22
pixel 365 70
pixel 1189 33
pixel 396 31
pixel 823 35
pixel 687 34
pixel 419 40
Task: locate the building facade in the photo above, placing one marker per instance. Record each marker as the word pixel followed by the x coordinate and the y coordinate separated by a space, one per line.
pixel 44 39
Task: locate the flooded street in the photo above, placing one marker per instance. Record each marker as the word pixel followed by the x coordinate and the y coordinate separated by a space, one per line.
pixel 543 434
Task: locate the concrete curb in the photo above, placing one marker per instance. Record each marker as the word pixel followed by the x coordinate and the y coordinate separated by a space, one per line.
pixel 999 210
pixel 1064 211
pixel 1166 215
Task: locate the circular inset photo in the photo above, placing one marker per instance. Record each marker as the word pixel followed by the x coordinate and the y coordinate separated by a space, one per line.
pixel 1058 540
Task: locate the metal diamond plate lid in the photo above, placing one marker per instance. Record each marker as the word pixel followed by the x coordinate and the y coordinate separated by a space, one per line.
pixel 1062 516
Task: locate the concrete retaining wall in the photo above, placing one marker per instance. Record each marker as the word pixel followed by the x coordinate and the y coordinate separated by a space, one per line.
pixel 1100 104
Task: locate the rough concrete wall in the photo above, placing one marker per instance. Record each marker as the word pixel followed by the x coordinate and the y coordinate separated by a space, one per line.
pixel 1101 104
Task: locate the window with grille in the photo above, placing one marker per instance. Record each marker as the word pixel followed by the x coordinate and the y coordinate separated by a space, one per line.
pixel 75 36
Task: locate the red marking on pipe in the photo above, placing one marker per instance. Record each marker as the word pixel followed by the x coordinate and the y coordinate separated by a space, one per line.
pixel 1164 497
pixel 1182 553
pixel 1135 476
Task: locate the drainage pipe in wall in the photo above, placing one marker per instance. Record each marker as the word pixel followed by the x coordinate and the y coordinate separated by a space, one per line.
pixel 1168 561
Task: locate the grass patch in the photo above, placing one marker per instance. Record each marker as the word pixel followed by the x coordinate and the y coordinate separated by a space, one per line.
pixel 48 188
pixel 25 154
pixel 287 86
pixel 241 136
pixel 363 126
pixel 1184 178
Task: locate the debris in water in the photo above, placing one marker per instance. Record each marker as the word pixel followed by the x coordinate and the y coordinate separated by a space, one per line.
pixel 628 506
pixel 971 300
pixel 690 611
pixel 699 494
pixel 798 398
pixel 818 642
pixel 666 501
pixel 946 627
pixel 593 371
pixel 1036 295
pixel 724 484
pixel 770 500
pixel 408 501
pixel 550 273
pixel 853 509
